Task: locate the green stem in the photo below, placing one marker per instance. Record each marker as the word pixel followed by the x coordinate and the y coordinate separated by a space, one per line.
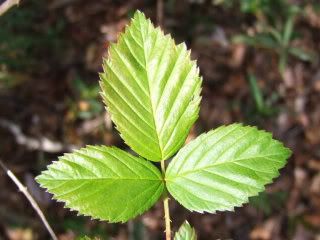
pixel 166 207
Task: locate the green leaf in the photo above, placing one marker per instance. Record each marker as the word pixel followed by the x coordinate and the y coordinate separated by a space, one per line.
pixel 86 238
pixel 256 92
pixel 104 182
pixel 222 168
pixel 185 232
pixel 301 54
pixel 262 40
pixel 151 88
pixel 288 30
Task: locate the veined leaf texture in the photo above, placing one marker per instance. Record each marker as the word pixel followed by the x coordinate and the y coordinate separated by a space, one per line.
pixel 220 169
pixel 104 182
pixel 151 88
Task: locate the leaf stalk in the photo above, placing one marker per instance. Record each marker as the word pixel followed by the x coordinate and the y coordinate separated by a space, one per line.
pixel 166 207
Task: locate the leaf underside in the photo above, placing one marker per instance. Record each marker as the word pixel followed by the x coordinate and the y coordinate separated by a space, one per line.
pixel 151 88
pixel 185 232
pixel 104 182
pixel 222 168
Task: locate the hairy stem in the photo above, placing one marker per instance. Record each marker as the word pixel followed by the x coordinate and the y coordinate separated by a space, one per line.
pixel 166 208
pixel 167 218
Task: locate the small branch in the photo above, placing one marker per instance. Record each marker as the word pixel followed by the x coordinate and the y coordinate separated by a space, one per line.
pixel 34 204
pixel 166 207
pixel 42 143
pixel 7 5
pixel 90 125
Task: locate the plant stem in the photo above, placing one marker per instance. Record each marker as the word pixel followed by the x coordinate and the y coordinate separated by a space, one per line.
pixel 163 167
pixel 33 203
pixel 166 207
pixel 167 217
pixel 6 5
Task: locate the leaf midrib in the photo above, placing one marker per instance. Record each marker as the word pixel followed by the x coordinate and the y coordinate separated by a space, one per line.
pixel 100 179
pixel 149 92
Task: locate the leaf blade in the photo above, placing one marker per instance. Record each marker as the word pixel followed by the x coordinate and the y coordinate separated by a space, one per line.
pixel 152 89
pixel 185 232
pixel 95 179
pixel 224 167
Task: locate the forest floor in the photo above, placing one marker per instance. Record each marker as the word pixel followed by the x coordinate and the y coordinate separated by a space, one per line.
pixel 50 56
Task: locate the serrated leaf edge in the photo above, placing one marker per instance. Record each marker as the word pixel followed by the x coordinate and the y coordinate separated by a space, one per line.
pixel 246 200
pixel 196 98
pixel 66 203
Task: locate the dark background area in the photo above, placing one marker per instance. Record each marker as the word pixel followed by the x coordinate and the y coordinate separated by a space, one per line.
pixel 260 63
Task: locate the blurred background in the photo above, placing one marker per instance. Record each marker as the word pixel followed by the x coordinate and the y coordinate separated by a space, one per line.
pixel 260 64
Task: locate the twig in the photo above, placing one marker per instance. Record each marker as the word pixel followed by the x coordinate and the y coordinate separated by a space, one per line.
pixel 90 125
pixel 160 12
pixel 34 204
pixel 7 5
pixel 43 143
